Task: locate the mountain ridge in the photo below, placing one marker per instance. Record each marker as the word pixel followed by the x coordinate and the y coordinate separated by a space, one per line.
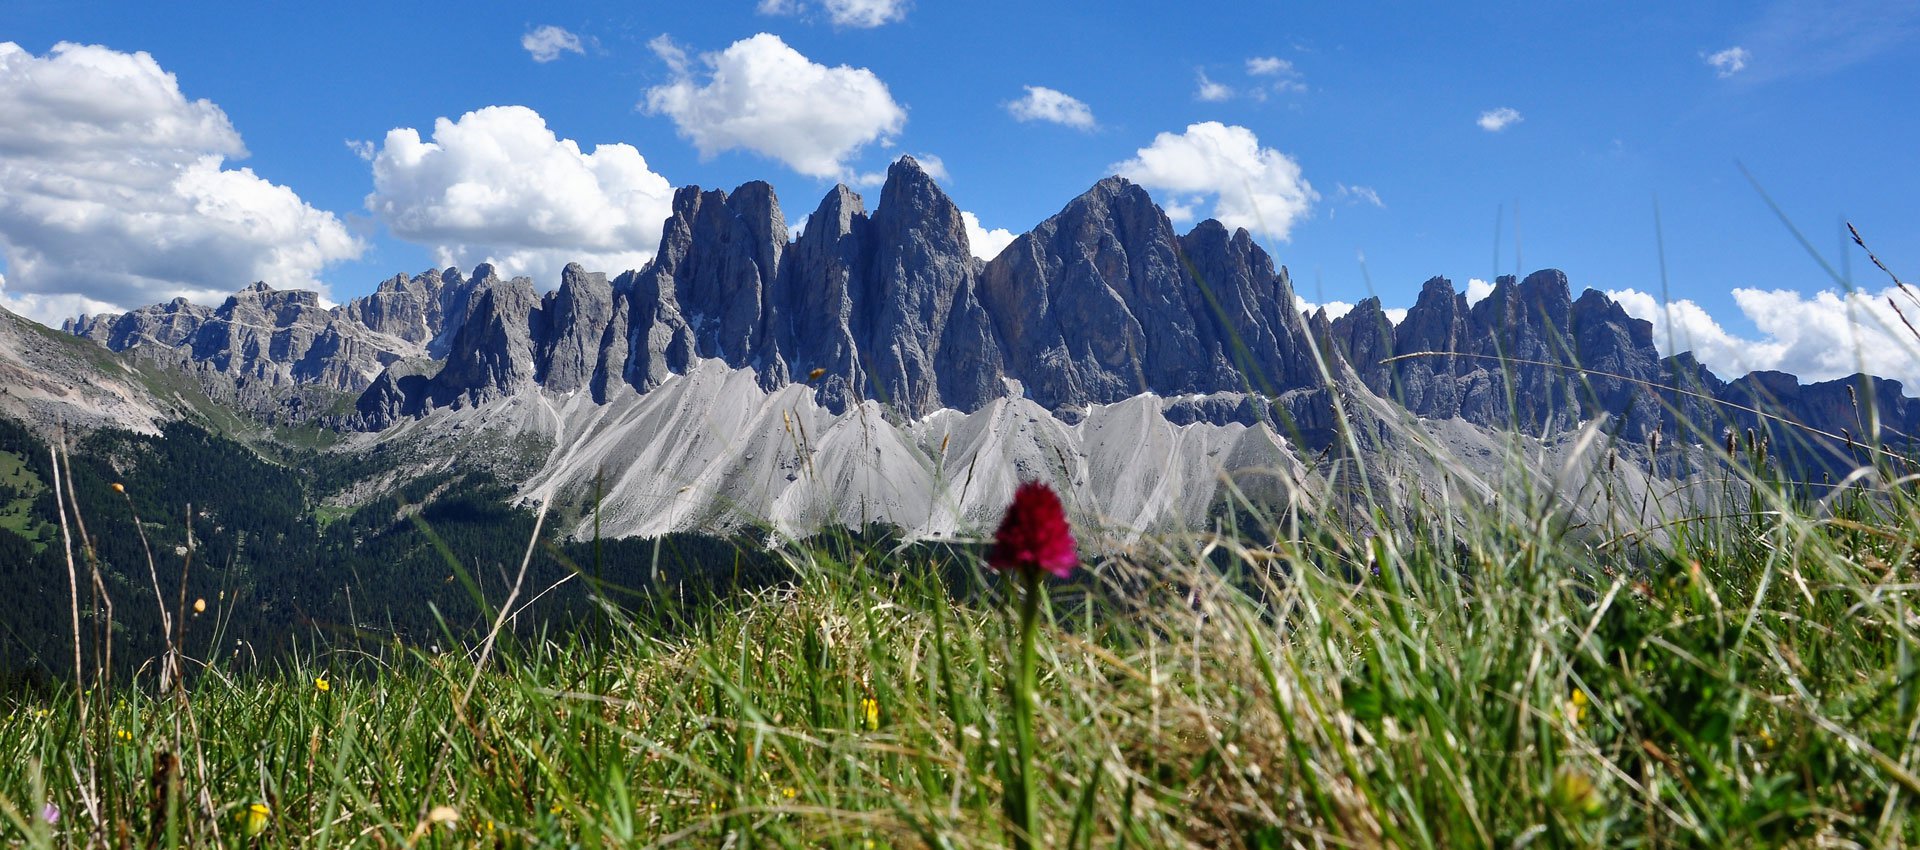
pixel 888 313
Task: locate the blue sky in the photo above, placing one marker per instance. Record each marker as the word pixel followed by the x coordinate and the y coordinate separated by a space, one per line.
pixel 1364 138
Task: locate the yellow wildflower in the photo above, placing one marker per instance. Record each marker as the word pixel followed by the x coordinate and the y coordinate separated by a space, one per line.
pixel 322 685
pixel 870 709
pixel 789 792
pixel 254 818
pixel 199 606
pixel 1574 792
pixel 124 736
pixel 1577 707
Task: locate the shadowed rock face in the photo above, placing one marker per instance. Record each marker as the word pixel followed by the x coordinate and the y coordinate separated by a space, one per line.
pixel 1104 301
pixel 579 313
pixel 1101 302
pixel 1510 360
pixel 922 328
pixel 814 316
pixel 1364 336
pixel 1090 303
pixel 1527 357
pixel 718 257
pixel 494 354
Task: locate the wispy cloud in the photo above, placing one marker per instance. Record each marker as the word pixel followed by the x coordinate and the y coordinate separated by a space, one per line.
pixel 546 43
pixel 1211 91
pixel 862 14
pixel 1800 38
pixel 1281 76
pixel 1358 195
pixel 1495 120
pixel 1263 65
pixel 1728 62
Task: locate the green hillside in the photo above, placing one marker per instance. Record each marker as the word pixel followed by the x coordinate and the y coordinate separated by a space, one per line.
pixel 1461 672
pixel 19 486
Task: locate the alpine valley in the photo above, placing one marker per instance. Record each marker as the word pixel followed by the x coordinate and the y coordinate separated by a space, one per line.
pixel 337 465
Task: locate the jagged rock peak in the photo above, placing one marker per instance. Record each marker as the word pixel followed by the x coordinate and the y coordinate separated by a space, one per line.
pixel 1437 287
pixel 577 317
pixel 927 339
pixel 708 287
pixel 813 309
pixel 493 355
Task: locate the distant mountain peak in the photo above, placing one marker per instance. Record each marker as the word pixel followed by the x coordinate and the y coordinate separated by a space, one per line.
pixel 1101 302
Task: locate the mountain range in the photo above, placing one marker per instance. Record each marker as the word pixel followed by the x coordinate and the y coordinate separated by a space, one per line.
pixel 871 368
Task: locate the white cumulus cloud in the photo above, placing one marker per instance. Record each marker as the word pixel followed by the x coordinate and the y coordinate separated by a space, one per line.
pixel 1728 62
pixel 1045 104
pixel 1336 309
pixel 1260 189
pixel 1818 338
pixel 1211 91
pixel 546 43
pixel 115 191
pixel 1495 120
pixel 763 96
pixel 934 166
pixel 985 244
pixel 1478 290
pixel 498 186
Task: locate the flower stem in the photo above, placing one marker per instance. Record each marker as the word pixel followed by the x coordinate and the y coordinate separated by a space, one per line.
pixel 1023 798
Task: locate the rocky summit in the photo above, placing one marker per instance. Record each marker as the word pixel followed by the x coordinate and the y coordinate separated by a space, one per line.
pixel 886 312
pixel 1100 303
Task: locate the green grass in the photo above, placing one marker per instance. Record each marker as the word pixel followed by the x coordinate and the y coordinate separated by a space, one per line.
pixel 307 437
pixel 328 514
pixel 16 515
pixel 1751 681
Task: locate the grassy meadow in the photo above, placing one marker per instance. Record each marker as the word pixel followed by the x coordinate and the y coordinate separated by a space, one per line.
pixel 1456 675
